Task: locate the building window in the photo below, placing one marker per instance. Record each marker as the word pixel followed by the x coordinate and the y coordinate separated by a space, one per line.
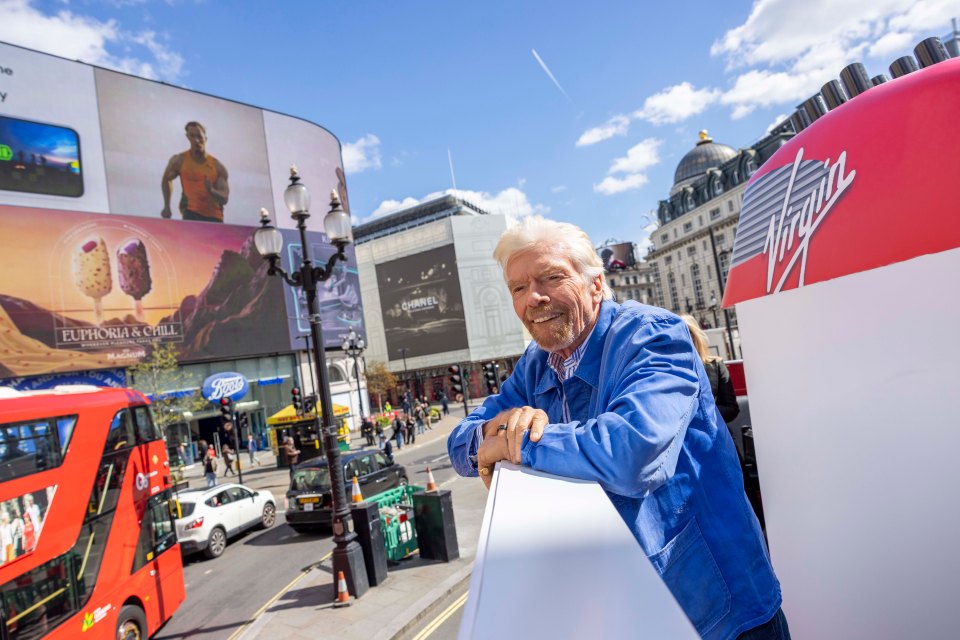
pixel 721 238
pixel 691 250
pixel 674 232
pixel 729 205
pixel 709 274
pixel 687 227
pixel 683 280
pixel 725 263
pixel 700 221
pixel 613 282
pixel 672 281
pixel 664 237
pixel 697 285
pixel 704 245
pixel 714 213
pixel 668 260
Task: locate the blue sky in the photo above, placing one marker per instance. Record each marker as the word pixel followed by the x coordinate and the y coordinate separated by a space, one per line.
pixel 578 111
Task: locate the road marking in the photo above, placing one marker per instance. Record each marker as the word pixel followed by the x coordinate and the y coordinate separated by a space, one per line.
pixel 428 630
pixel 259 612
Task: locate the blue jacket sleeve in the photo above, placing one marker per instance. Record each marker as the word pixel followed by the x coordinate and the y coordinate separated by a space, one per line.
pixel 465 439
pixel 649 389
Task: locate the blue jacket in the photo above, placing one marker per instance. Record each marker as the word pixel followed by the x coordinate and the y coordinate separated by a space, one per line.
pixel 646 428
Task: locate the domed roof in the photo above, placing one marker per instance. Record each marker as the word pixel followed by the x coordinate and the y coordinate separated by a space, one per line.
pixel 706 155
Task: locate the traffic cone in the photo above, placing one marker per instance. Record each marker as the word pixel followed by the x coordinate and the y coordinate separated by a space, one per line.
pixel 355 495
pixel 431 483
pixel 343 595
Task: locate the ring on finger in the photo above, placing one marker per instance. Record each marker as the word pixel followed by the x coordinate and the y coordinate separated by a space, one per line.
pixel 502 427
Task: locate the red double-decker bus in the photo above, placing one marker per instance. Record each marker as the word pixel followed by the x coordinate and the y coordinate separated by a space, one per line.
pixel 87 543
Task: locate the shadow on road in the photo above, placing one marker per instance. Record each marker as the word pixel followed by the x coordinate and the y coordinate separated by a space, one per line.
pixel 281 535
pixel 217 631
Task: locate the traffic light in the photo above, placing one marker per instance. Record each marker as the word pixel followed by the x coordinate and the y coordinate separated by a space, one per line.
pixel 310 403
pixel 244 421
pixel 226 410
pixel 490 376
pixel 456 379
pixel 297 400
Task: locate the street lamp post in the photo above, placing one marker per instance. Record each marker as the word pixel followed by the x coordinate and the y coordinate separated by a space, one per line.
pixel 353 345
pixel 347 554
pixel 713 307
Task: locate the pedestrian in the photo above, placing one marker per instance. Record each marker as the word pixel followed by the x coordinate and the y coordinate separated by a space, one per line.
pixel 291 453
pixel 210 466
pixel 388 408
pixel 723 394
pixel 367 429
pixel 445 403
pixel 398 427
pixel 419 415
pixel 379 429
pixel 252 450
pixel 388 450
pixel 615 393
pixel 410 432
pixel 228 458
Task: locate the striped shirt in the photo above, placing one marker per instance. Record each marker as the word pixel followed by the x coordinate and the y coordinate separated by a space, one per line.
pixel 565 370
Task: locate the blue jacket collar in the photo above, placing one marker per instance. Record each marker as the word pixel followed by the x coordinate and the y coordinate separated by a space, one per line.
pixel 589 369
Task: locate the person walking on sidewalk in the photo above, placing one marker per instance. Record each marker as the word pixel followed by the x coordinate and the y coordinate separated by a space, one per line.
pixel 228 459
pixel 410 431
pixel 291 453
pixel 210 467
pixel 379 429
pixel 419 415
pixel 366 429
pixel 252 450
pixel 445 403
pixel 398 428
pixel 617 394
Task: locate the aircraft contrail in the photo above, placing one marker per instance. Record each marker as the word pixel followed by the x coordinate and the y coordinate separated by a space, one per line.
pixel 546 70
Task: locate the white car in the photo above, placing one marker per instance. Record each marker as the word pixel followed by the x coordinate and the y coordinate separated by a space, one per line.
pixel 208 517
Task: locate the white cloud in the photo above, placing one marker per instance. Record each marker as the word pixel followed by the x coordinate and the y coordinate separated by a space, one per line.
pixel 511 202
pixel 611 185
pixel 676 103
pixel 78 37
pixel 785 51
pixel 780 118
pixel 559 188
pixel 639 158
pixel 362 155
pixel 615 126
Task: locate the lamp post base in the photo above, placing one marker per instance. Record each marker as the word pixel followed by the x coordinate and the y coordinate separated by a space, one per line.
pixel 349 559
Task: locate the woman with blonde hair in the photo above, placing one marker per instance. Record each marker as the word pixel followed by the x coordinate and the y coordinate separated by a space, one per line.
pixel 723 393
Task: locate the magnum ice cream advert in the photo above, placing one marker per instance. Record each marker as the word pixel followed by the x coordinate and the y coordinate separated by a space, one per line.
pixel 421 302
pixel 87 291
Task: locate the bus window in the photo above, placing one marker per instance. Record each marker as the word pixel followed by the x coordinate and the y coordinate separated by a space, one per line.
pixel 121 434
pixel 64 431
pixel 32 447
pixel 108 484
pixel 157 533
pixel 146 431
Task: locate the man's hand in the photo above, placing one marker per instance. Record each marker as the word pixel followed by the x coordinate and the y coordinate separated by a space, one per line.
pixel 491 451
pixel 512 424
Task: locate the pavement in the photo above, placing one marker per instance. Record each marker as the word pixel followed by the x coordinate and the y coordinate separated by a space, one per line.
pixel 413 586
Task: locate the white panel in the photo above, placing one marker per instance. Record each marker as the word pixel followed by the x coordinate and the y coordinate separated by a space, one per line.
pixel 555 560
pixel 853 399
pixel 46 89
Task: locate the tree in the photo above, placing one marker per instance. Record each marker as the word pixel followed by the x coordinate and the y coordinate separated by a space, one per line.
pixel 380 380
pixel 161 378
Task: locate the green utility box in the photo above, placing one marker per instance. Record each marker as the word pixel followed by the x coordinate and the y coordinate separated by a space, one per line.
pixel 396 520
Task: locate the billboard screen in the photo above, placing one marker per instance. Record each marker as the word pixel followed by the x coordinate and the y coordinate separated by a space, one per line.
pixel 174 175
pixel 617 257
pixel 88 291
pixel 421 302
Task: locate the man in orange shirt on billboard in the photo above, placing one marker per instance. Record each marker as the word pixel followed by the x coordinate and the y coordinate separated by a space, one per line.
pixel 202 177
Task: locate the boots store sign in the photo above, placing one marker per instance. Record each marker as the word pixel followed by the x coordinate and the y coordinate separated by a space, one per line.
pixel 225 385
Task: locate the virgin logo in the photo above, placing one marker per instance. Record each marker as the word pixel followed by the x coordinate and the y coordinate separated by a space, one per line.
pixel 788 235
pixel 223 387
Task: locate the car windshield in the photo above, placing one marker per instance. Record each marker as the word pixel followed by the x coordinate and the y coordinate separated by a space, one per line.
pixel 311 478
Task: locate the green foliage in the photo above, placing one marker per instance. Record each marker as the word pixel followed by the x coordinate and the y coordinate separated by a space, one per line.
pixel 158 376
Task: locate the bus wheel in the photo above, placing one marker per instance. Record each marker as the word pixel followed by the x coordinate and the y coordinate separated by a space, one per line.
pixel 132 623
pixel 217 543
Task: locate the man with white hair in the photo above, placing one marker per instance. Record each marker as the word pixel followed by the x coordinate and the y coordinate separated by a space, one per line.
pixel 616 393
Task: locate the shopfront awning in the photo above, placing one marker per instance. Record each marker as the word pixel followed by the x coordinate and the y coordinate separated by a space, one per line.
pixel 288 415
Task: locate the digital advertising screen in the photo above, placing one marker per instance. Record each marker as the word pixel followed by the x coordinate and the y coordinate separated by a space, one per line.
pixel 422 303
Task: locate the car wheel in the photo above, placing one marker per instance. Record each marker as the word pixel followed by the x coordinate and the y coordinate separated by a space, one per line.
pixel 269 515
pixel 132 623
pixel 216 543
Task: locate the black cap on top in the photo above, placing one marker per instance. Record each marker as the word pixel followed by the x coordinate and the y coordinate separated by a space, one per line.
pixel 930 51
pixel 903 66
pixel 879 79
pixel 800 120
pixel 855 79
pixel 814 107
pixel 833 94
